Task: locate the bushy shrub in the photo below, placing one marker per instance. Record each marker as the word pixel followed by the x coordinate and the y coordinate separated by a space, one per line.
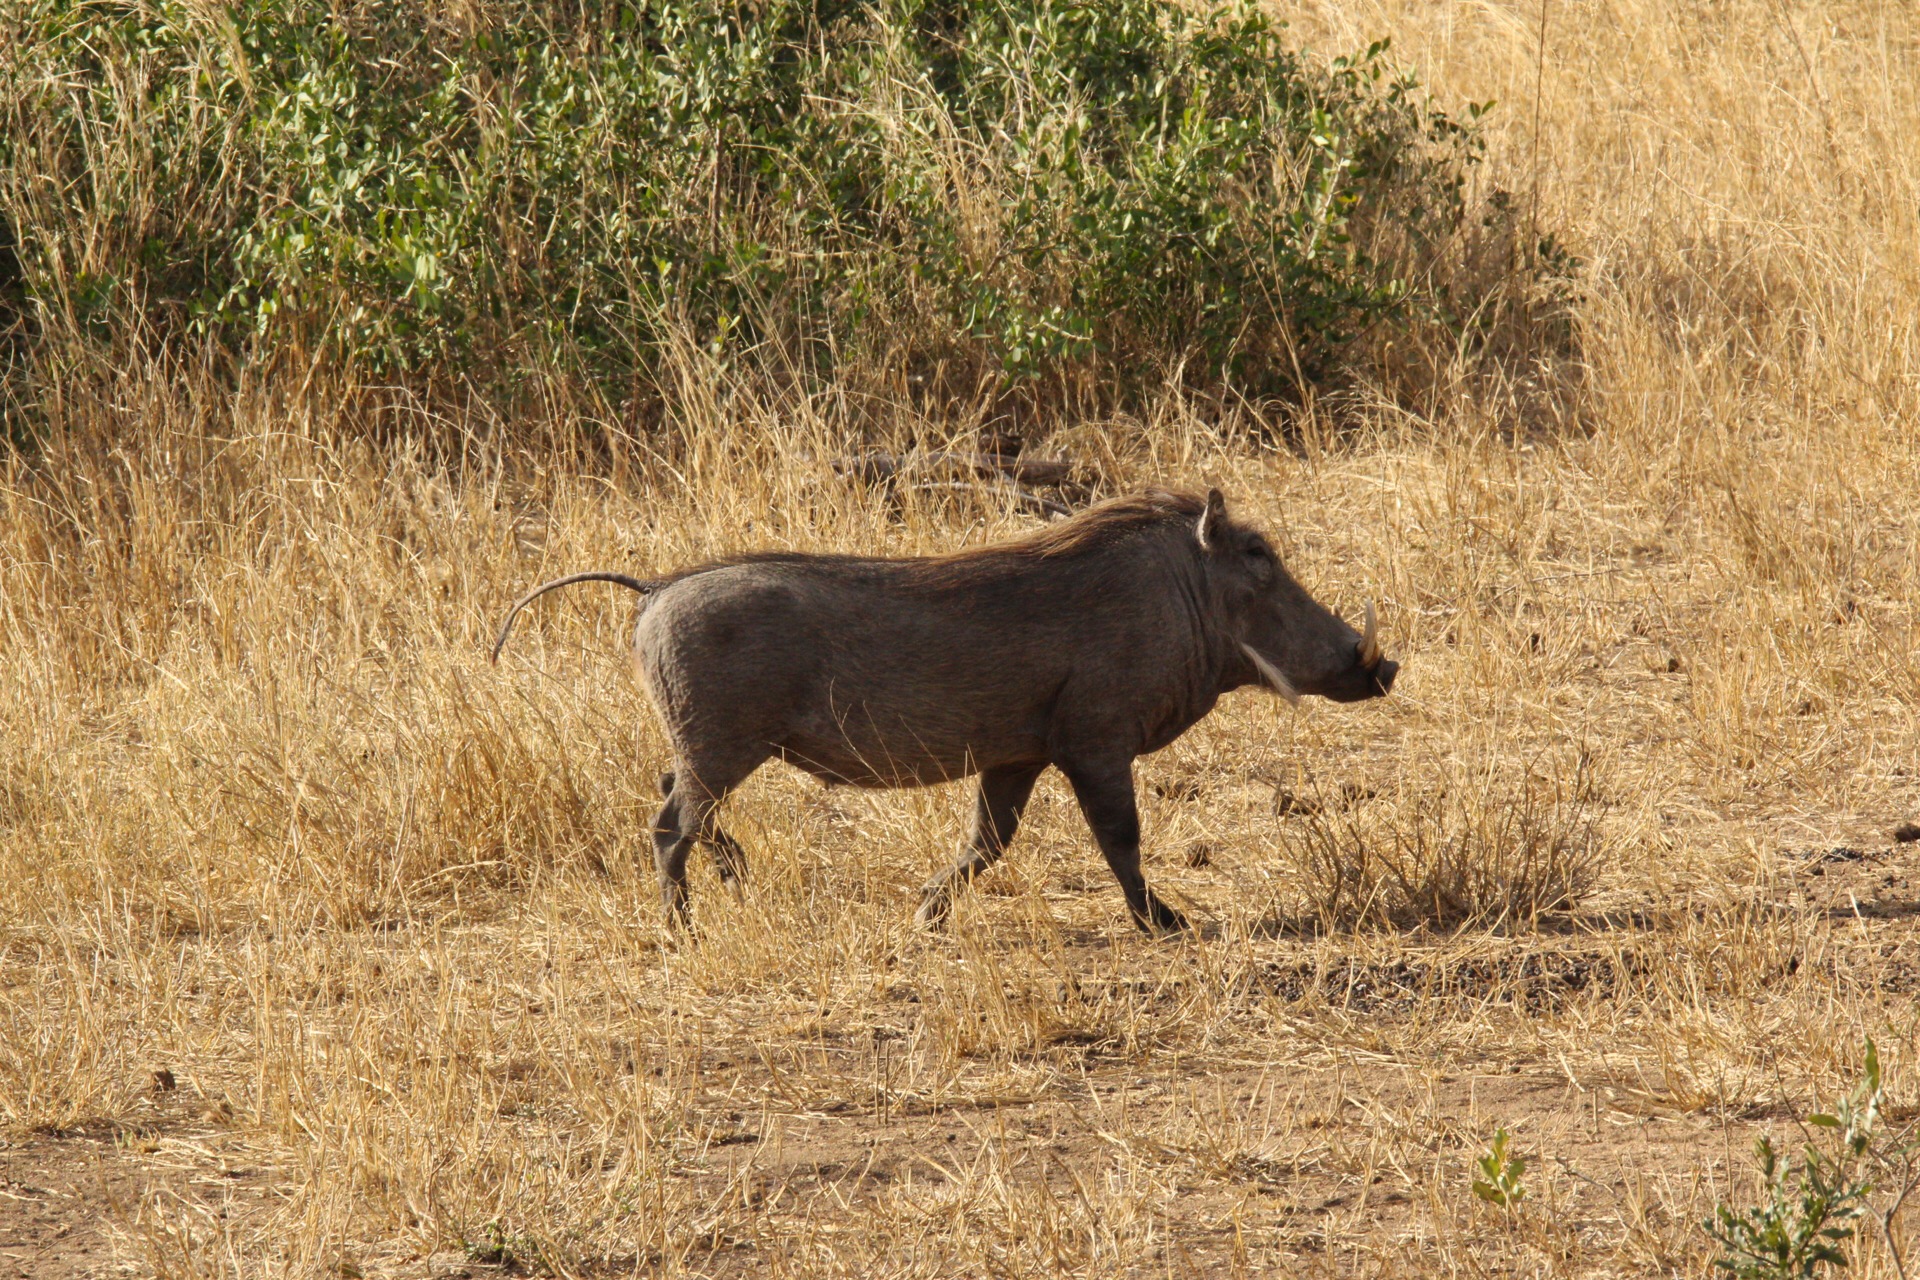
pixel 963 190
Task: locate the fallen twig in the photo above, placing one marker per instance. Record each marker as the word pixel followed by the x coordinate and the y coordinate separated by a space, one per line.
pixel 1032 501
pixel 879 465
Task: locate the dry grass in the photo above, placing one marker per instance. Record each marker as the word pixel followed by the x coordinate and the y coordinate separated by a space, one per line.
pixel 269 822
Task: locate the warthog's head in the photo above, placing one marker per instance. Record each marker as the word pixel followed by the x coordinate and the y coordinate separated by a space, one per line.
pixel 1294 644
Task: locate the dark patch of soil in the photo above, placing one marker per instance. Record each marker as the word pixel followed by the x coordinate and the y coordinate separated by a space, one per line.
pixel 1537 981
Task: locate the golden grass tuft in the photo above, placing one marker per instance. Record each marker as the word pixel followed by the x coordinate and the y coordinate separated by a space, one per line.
pixel 1489 847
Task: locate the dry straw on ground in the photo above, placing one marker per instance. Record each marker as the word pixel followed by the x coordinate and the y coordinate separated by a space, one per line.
pixel 328 949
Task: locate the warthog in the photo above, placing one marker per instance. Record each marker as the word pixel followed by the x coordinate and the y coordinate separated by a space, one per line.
pixel 1081 646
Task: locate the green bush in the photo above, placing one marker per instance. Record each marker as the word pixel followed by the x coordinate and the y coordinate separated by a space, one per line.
pixel 1812 1212
pixel 1014 190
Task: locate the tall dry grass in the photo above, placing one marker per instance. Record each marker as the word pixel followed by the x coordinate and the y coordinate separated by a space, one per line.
pixel 269 820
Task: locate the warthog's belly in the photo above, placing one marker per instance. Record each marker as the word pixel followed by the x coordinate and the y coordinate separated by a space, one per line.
pixel 902 762
pixel 854 774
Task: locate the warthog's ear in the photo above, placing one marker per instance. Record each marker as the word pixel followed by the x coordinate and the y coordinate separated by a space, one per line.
pixel 1212 520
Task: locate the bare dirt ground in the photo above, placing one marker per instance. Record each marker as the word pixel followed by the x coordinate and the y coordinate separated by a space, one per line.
pixel 69 1199
pixel 1304 1107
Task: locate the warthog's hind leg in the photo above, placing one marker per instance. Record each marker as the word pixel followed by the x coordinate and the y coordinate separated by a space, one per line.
pixel 694 792
pixel 996 815
pixel 1105 793
pixel 729 859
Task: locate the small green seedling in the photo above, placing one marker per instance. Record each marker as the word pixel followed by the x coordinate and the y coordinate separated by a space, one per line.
pixel 1500 1174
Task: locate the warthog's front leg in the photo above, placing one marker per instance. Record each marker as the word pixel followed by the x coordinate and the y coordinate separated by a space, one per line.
pixel 1105 793
pixel 996 815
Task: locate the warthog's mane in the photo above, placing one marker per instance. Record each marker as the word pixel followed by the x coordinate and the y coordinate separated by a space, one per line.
pixel 1116 520
pixel 1098 528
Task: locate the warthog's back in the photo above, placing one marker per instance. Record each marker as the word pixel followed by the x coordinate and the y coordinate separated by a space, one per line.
pixel 882 672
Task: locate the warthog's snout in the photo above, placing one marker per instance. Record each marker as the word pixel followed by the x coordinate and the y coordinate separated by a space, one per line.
pixel 1079 648
pixel 1368 673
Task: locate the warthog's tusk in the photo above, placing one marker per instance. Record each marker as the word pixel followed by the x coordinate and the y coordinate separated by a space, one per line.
pixel 1271 674
pixel 1370 640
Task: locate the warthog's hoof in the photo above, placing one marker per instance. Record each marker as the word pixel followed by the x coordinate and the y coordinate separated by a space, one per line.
pixel 731 865
pixel 935 906
pixel 1161 920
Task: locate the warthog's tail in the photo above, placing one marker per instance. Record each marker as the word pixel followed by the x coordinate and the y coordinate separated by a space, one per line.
pixel 632 584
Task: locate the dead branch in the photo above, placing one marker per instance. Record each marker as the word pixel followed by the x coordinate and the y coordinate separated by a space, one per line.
pixel 1032 501
pixel 877 466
